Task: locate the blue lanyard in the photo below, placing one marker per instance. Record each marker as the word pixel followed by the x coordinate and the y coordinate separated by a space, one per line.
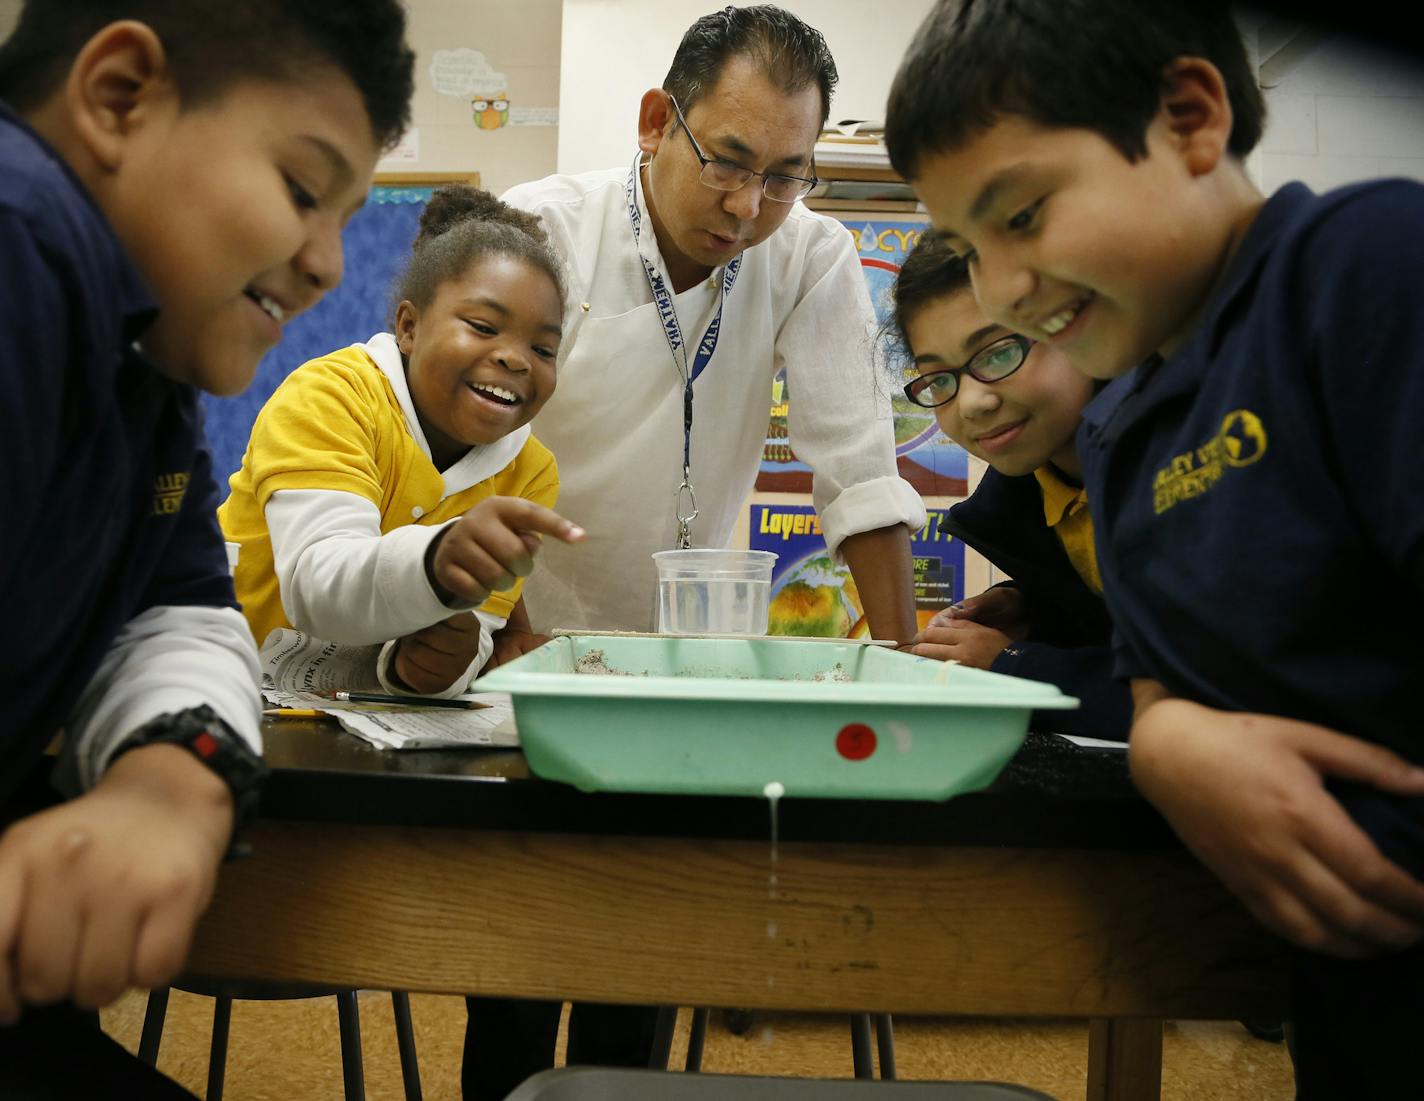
pixel 667 314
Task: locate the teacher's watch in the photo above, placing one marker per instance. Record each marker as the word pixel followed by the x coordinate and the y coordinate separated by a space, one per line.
pixel 217 745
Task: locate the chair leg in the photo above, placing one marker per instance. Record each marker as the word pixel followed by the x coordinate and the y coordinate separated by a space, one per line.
pixel 861 1057
pixel 662 1037
pixel 349 1017
pixel 217 1053
pixel 405 1043
pixel 885 1044
pixel 697 1040
pixel 153 1017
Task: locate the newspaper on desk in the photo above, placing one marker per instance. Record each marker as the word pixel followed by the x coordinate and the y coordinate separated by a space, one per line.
pixel 297 669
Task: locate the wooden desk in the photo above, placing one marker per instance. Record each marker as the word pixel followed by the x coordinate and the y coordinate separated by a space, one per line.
pixel 1057 893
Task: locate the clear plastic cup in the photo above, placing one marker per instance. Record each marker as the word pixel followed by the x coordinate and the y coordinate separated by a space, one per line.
pixel 713 592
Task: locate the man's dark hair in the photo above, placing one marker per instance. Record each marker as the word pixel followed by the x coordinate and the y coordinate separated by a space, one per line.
pixel 791 54
pixel 1091 64
pixel 213 44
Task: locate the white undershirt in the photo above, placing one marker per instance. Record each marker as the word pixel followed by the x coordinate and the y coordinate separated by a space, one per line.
pixel 168 658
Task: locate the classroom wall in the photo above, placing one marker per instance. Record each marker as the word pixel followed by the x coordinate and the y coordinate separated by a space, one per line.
pixel 614 50
pixel 520 45
pixel 1344 113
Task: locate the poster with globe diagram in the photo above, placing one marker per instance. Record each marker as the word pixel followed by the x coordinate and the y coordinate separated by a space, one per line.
pixel 927 458
pixel 812 594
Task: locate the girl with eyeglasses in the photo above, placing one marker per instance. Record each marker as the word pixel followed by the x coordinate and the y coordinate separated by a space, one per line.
pixel 1016 404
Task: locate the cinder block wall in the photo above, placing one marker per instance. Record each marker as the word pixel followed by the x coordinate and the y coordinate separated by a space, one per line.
pixel 1345 113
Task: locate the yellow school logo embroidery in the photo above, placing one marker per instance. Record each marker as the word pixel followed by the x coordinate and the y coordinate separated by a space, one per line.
pixel 168 490
pixel 1241 441
pixel 1244 438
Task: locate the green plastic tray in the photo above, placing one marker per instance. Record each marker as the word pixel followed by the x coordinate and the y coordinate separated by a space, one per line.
pixel 720 716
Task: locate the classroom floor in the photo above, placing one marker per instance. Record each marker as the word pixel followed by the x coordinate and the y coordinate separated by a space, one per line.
pixel 289 1051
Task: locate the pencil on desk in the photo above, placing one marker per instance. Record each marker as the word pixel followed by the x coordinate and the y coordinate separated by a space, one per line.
pixel 296 713
pixel 406 701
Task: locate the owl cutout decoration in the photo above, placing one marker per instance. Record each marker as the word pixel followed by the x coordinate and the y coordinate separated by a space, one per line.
pixel 490 113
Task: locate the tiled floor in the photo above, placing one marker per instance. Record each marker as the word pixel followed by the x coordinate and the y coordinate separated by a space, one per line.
pixel 289 1051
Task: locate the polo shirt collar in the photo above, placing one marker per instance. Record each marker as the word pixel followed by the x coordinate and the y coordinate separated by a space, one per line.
pixel 132 299
pixel 1157 379
pixel 1060 499
pixel 481 462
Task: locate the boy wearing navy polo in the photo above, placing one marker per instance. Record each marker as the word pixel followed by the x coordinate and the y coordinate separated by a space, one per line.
pixel 175 178
pixel 1254 465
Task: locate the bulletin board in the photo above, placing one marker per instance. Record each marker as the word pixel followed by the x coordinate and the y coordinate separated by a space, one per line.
pixel 377 243
pixel 926 457
pixel 812 594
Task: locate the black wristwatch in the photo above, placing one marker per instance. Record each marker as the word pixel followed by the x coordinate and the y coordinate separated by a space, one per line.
pixel 217 745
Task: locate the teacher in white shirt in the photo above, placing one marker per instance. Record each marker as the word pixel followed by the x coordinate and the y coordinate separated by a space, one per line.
pixel 697 259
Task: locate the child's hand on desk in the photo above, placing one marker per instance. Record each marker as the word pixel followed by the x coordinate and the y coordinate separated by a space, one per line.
pixel 1002 608
pixel 102 893
pixel 431 660
pixel 1245 794
pixel 513 642
pixel 492 544
pixel 960 640
pixel 515 638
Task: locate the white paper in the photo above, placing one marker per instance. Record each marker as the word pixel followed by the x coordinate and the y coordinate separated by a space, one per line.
pixel 464 72
pixel 1093 743
pixel 388 727
pixel 533 116
pixel 296 668
pixel 294 661
pixel 405 151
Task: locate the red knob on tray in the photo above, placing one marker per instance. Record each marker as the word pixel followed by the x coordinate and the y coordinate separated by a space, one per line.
pixel 855 741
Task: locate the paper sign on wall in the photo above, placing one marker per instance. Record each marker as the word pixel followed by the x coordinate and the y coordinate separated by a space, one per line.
pixel 533 116
pixel 924 455
pixel 405 151
pixel 465 72
pixel 812 594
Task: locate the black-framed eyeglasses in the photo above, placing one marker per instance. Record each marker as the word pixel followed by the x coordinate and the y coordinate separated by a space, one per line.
pixel 992 363
pixel 726 176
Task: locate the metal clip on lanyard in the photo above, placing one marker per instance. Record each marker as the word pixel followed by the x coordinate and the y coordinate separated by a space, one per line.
pixel 685 490
pixel 667 312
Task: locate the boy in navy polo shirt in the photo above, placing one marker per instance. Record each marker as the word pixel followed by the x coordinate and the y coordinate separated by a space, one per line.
pixel 174 177
pixel 1254 465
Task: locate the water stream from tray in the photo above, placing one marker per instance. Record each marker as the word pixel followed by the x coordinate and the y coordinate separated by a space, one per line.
pixel 773 792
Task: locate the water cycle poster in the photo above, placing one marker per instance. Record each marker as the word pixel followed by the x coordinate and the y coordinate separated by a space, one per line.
pixel 927 458
pixel 812 594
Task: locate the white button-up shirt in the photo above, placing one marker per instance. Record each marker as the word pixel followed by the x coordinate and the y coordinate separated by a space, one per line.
pixel 615 422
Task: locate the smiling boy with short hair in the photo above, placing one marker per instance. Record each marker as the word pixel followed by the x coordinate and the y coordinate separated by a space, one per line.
pixel 1086 156
pixel 176 176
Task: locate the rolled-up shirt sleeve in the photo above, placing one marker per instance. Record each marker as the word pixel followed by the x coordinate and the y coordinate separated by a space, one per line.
pixel 839 417
pixel 340 578
pixel 166 659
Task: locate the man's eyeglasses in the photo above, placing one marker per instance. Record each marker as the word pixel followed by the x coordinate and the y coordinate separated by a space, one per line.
pixel 726 176
pixel 993 363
